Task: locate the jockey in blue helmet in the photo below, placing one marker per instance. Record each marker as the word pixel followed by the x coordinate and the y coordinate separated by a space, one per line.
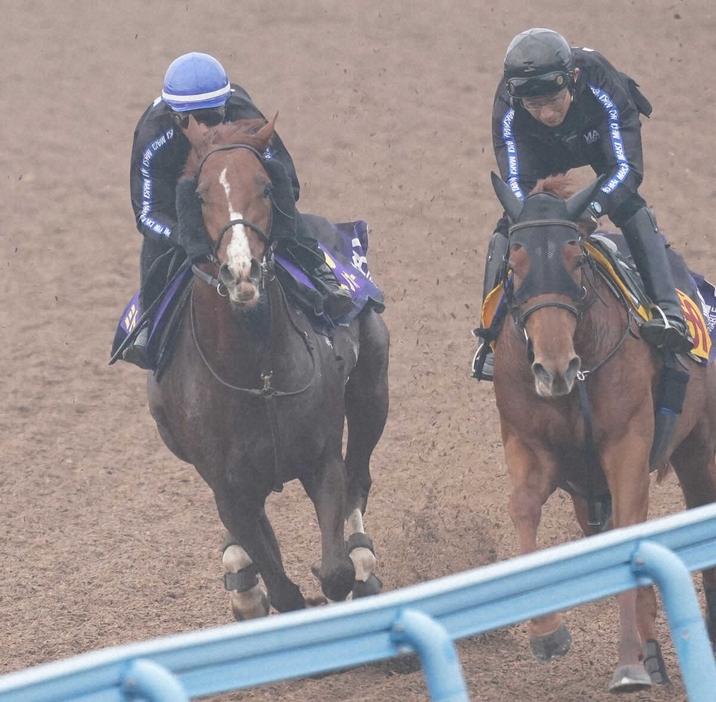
pixel 196 84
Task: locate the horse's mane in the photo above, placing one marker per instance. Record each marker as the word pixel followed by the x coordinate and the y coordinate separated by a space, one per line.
pixel 242 131
pixel 561 186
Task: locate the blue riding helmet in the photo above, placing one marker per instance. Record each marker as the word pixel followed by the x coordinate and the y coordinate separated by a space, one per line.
pixel 195 82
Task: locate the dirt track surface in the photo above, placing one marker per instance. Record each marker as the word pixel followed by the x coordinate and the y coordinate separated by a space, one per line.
pixel 385 107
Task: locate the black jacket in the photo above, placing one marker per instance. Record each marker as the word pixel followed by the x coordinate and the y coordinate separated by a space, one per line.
pixel 601 130
pixel 159 152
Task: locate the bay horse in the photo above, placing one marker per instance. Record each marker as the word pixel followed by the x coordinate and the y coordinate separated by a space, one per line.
pixel 253 397
pixel 565 327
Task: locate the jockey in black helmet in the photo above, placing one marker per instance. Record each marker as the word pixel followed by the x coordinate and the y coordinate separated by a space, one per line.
pixel 557 108
pixel 196 84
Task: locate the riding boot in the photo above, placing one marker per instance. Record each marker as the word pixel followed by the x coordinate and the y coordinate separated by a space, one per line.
pixel 337 300
pixel 136 351
pixel 668 328
pixel 494 269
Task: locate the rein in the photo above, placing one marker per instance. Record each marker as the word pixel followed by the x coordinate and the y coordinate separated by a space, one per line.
pixel 268 392
pixel 266 373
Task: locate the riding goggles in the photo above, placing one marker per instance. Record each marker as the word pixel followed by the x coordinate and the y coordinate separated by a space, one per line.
pixel 210 116
pixel 538 86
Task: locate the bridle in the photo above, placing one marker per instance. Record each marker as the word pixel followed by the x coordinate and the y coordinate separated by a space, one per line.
pixel 578 309
pixel 267 259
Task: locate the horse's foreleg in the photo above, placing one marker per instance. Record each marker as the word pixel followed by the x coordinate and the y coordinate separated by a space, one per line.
pixel 625 464
pixel 328 492
pixel 696 469
pixel 533 474
pixel 247 598
pixel 248 523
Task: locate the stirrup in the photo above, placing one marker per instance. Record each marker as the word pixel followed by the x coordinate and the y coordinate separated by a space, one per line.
pixel 486 372
pixel 667 332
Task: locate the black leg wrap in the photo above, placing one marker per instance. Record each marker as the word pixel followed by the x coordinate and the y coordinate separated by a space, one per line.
pixel 372 586
pixel 242 581
pixel 670 402
pixel 654 663
pixel 358 540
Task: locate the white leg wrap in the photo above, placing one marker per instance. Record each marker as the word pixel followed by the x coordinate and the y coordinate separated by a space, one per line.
pixel 363 559
pixel 251 603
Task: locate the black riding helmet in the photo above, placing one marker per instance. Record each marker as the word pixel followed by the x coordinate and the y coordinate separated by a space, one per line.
pixel 538 63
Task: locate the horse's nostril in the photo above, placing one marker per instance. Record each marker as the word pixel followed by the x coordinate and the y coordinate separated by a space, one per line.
pixel 574 366
pixel 225 274
pixel 541 373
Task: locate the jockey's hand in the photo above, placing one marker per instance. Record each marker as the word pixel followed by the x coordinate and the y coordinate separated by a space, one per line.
pixel 189 232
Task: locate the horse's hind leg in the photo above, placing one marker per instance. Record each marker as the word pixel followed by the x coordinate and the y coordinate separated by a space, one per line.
pixel 366 402
pixel 326 488
pixel 366 413
pixel 254 535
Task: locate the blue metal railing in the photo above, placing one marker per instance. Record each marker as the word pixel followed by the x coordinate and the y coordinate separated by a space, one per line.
pixel 424 618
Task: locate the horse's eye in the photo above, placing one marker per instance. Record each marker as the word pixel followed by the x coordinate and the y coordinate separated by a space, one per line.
pixel 268 188
pixel 581 260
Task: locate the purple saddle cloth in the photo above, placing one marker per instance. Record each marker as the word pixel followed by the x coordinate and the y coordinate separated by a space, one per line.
pixel 344 245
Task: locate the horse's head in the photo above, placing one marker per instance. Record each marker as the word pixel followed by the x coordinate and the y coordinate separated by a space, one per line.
pixel 235 193
pixel 546 283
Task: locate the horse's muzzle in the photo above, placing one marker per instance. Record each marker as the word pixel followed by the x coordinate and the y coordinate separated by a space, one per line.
pixel 243 290
pixel 555 382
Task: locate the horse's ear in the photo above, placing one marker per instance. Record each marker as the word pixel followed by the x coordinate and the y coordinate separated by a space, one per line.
pixel 510 201
pixel 580 201
pixel 266 132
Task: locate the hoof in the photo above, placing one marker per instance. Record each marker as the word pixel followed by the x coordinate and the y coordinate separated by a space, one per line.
pixel 318 601
pixel 654 663
pixel 372 586
pixel 245 606
pixel 551 646
pixel 630 678
pixel 338 584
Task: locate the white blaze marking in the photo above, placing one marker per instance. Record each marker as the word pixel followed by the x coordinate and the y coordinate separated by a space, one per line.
pixel 238 252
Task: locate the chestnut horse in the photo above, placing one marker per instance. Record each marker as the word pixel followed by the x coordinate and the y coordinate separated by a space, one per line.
pixel 253 397
pixel 566 327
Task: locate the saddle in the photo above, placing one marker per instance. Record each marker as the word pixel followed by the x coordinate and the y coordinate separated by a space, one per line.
pixel 344 246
